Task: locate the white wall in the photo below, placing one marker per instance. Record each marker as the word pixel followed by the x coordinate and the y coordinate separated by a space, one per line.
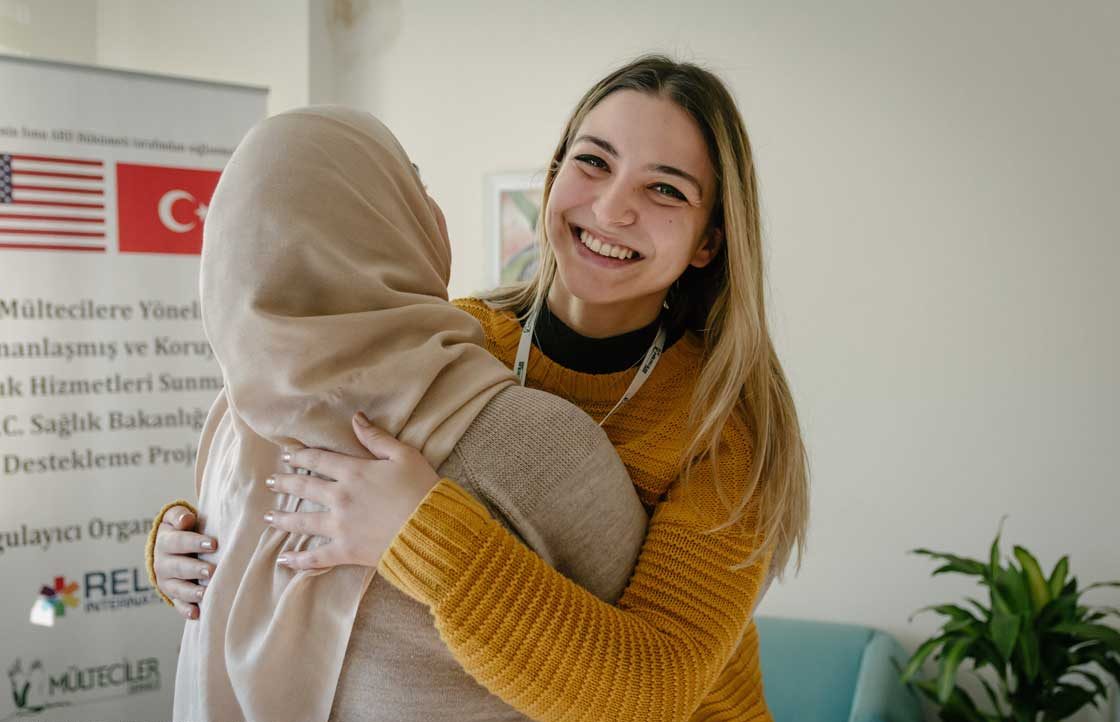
pixel 49 29
pixel 253 42
pixel 250 42
pixel 940 186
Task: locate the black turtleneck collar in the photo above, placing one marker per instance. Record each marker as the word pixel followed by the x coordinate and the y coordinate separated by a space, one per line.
pixel 594 355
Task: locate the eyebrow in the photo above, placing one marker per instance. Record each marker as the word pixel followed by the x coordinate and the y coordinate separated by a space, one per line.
pixel 660 168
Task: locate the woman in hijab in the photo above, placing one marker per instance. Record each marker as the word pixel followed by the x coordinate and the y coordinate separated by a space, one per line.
pixel 323 285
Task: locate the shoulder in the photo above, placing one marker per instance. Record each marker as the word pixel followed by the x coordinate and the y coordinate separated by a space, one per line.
pixel 532 433
pixel 528 445
pixel 541 464
pixel 502 329
pixel 476 307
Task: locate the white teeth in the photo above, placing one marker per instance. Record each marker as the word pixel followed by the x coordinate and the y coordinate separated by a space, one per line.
pixel 605 249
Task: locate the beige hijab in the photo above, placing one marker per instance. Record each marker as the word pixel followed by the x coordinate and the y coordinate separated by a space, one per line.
pixel 324 291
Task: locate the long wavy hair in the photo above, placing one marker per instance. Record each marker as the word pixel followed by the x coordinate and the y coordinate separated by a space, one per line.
pixel 723 303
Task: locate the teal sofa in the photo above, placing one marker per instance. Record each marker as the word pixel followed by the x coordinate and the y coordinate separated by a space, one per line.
pixel 826 672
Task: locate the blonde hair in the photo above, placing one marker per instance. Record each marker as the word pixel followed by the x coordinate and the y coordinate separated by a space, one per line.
pixel 724 303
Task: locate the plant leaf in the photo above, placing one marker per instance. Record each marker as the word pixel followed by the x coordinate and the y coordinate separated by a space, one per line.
pixel 1035 582
pixel 985 613
pixel 997 707
pixel 955 564
pixel 949 610
pixel 1097 653
pixel 1089 632
pixel 994 555
pixel 959 708
pixel 950 662
pixel 1099 686
pixel 1014 589
pixel 1028 649
pixel 1068 699
pixel 984 652
pixel 1057 610
pixel 1000 603
pixel 920 656
pixel 1058 576
pixel 1005 631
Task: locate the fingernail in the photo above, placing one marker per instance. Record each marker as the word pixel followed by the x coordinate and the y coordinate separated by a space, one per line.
pixel 198 593
pixel 207 545
pixel 268 517
pixel 270 482
pixel 282 559
pixel 179 518
pixel 362 420
pixel 192 613
pixel 204 573
pixel 286 457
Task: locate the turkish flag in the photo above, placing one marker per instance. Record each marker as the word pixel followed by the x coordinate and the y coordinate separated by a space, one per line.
pixel 161 209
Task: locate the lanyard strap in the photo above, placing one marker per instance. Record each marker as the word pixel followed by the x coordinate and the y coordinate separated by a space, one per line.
pixel 653 355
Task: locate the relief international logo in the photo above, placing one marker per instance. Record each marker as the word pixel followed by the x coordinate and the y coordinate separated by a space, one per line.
pixel 103 590
pixel 53 601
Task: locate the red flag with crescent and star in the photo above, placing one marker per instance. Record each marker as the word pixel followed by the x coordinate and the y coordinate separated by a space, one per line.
pixel 162 209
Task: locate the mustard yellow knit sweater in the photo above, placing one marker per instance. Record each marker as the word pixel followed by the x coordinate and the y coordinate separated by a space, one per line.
pixel 680 644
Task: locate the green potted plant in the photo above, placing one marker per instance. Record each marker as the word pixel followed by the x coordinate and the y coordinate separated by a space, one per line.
pixel 1046 651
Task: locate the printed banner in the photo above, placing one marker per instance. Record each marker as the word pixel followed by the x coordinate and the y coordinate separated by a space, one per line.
pixel 105 374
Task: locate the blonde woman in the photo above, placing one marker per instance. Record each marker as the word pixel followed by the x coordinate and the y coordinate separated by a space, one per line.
pixel 647 312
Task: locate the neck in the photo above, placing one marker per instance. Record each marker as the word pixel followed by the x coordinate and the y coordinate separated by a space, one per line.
pixel 602 320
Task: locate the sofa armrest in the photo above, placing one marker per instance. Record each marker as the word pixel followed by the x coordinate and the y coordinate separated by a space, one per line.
pixel 879 695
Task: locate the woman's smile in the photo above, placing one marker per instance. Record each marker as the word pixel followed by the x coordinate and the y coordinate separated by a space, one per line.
pixel 605 252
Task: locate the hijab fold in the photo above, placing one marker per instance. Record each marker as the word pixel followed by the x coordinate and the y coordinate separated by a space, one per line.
pixel 324 292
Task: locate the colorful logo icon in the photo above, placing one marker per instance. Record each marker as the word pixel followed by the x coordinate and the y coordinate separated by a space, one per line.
pixel 53 601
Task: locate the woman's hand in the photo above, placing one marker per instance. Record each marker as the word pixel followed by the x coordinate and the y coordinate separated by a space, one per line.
pixel 177 569
pixel 367 502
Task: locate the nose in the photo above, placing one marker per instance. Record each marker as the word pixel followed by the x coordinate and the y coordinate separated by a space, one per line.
pixel 615 204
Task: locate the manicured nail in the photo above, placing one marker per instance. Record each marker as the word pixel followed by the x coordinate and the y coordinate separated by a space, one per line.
pixel 204 573
pixel 199 592
pixel 192 613
pixel 268 517
pixel 270 482
pixel 362 420
pixel 207 545
pixel 286 457
pixel 179 518
pixel 282 559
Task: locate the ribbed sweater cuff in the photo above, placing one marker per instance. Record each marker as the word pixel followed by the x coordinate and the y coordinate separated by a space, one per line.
pixel 440 537
pixel 150 547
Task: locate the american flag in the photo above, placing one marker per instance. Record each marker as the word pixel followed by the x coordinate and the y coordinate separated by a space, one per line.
pixel 51 203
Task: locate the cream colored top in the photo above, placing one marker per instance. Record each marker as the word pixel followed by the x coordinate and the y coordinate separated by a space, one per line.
pixel 549 474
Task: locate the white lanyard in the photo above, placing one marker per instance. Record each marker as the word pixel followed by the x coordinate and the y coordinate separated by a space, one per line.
pixel 521 363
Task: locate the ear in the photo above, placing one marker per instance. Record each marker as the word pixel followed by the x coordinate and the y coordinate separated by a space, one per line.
pixel 709 247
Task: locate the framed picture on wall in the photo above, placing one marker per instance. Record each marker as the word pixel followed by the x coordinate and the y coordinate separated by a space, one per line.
pixel 513 204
